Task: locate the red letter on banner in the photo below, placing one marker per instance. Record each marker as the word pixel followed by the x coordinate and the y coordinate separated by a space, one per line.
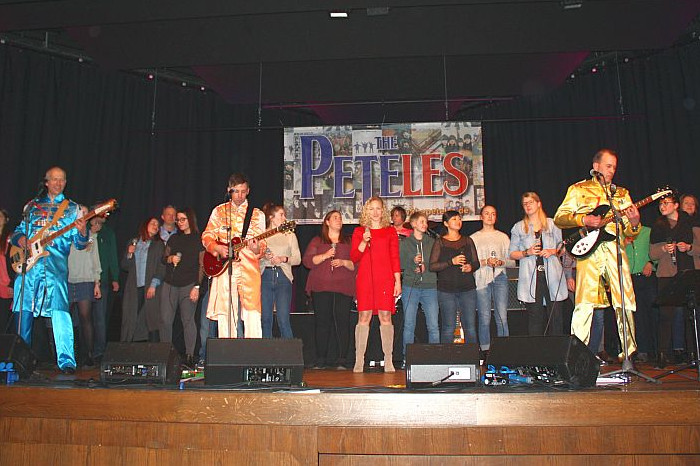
pixel 407 191
pixel 429 173
pixel 462 180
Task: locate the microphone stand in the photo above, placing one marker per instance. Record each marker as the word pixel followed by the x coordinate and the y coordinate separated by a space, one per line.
pixel 627 365
pixel 229 241
pixel 25 218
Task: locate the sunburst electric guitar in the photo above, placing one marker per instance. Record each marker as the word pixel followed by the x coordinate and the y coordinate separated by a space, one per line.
pixel 214 266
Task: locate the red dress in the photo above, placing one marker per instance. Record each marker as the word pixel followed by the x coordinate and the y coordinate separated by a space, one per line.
pixel 375 269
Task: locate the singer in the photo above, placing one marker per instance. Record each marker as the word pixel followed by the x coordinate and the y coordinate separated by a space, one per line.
pixel 375 251
pixel 491 279
pixel 45 291
pixel 242 282
pixel 141 302
pixel 581 198
pixel 455 260
pixel 541 281
pixel 331 284
pixel 675 244
pixel 183 276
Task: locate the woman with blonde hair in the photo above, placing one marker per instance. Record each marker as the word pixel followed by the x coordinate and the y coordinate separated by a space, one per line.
pixel 375 250
pixel 534 242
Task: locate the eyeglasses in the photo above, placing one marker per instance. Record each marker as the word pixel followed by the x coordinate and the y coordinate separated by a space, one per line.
pixel 666 202
pixel 182 219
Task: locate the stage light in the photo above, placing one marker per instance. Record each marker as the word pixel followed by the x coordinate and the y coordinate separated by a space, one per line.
pixel 594 70
pixel 3 41
pixel 150 76
pixel 202 88
pixel 338 14
pixel 80 59
pixel 571 4
pixel 184 84
pixel 572 76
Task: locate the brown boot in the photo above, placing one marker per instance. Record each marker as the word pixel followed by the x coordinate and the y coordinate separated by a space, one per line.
pixel 361 334
pixel 387 333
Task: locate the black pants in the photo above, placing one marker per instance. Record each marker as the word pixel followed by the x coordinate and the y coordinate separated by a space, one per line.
pixel 332 327
pixel 538 319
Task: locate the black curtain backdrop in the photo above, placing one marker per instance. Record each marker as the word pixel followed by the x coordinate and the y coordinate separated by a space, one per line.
pixel 149 143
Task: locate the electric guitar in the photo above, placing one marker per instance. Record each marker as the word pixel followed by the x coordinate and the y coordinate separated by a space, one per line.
pixel 581 242
pixel 35 245
pixel 214 266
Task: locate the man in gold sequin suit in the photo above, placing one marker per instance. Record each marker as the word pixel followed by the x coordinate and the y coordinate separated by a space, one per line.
pixel 599 269
pixel 243 285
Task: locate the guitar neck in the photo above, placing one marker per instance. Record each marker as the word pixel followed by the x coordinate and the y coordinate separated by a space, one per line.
pixel 60 232
pixel 263 235
pixel 637 204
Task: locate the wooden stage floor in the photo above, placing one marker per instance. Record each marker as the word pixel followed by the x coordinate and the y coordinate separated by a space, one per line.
pixel 342 418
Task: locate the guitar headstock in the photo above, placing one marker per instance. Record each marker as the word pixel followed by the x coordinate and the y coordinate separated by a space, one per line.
pixel 105 208
pixel 287 227
pixel 662 192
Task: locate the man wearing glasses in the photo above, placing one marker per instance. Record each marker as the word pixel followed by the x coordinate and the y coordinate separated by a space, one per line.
pixel 599 269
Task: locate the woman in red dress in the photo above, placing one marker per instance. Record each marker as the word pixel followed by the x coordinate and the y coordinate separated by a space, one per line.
pixel 375 250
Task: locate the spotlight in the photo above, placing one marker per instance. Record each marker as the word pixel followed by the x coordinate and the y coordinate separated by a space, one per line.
pixel 184 84
pixel 80 59
pixel 150 76
pixel 572 76
pixel 594 70
pixel 571 4
pixel 3 41
pixel 202 88
pixel 338 14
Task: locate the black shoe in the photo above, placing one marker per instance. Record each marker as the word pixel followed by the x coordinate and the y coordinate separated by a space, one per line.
pixel 661 361
pixel 68 370
pixel 642 357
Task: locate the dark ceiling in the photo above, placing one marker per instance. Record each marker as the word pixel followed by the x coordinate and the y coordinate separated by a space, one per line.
pixel 388 61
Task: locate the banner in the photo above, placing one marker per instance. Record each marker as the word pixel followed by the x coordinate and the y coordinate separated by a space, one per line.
pixel 430 167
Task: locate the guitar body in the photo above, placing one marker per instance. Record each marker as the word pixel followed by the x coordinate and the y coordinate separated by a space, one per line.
pixel 214 266
pixel 36 252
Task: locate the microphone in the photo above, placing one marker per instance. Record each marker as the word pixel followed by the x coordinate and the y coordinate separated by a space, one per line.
pixel 229 193
pixel 432 233
pixel 673 253
pixel 333 246
pixel 596 173
pixel 538 240
pixel 370 236
pixel 493 265
pixel 179 256
pixel 132 243
pixel 41 188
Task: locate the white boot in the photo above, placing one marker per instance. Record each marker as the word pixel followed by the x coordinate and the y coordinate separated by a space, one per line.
pixel 361 334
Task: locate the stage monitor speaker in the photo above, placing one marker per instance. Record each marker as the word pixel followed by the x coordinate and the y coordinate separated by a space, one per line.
pixel 551 360
pixel 142 363
pixel 440 365
pixel 257 361
pixel 16 355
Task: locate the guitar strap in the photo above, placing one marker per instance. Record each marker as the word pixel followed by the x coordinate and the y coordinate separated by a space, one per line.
pixel 59 213
pixel 246 221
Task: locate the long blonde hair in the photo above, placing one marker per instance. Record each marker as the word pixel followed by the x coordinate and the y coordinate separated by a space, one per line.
pixel 541 214
pixel 364 216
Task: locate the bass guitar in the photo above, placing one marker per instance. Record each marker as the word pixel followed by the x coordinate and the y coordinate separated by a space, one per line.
pixel 581 242
pixel 214 266
pixel 35 245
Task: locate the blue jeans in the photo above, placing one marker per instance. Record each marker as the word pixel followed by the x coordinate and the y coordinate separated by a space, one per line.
pixel 497 291
pixel 276 293
pixel 427 298
pixel 451 303
pixel 207 328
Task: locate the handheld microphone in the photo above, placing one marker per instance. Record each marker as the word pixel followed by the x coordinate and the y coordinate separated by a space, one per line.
pixel 370 236
pixel 432 233
pixel 132 243
pixel 493 265
pixel 673 253
pixel 613 189
pixel 333 246
pixel 596 173
pixel 179 256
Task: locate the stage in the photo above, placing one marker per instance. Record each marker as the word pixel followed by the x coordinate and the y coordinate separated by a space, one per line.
pixel 341 418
